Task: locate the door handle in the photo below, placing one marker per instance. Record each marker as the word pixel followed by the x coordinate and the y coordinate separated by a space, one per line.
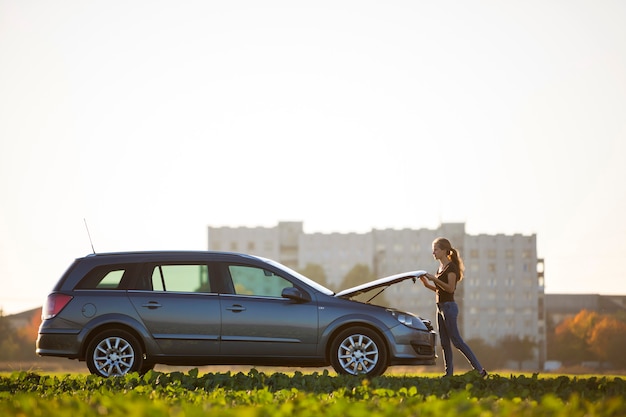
pixel 152 305
pixel 236 308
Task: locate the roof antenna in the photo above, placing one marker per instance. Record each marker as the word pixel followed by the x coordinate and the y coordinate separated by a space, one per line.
pixel 89 235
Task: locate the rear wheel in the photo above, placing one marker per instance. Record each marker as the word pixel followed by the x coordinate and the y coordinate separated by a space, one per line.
pixel 359 351
pixel 114 353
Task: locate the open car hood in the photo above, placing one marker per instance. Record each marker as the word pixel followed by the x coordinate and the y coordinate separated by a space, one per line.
pixel 381 283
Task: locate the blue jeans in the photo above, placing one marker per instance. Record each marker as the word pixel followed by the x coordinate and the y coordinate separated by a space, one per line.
pixel 449 335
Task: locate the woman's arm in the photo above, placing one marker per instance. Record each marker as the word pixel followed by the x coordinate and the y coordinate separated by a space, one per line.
pixel 449 286
pixel 427 284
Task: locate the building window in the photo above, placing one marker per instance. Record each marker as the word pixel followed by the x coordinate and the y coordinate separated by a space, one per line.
pixel 474 253
pixel 233 246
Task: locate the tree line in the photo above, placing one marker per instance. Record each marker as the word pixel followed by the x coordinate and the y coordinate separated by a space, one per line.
pixel 590 336
pixel 18 344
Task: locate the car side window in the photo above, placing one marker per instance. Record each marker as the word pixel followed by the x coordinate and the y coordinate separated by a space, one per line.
pixel 107 277
pixel 111 280
pixel 181 278
pixel 248 280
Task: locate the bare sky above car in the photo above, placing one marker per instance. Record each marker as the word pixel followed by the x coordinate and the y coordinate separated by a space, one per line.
pixel 153 120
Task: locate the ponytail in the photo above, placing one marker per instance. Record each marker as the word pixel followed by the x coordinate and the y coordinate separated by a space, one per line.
pixel 455 258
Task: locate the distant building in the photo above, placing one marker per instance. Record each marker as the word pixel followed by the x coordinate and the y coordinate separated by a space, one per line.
pixel 503 293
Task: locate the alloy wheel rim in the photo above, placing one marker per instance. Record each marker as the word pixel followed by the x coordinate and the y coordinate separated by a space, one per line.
pixel 114 356
pixel 358 354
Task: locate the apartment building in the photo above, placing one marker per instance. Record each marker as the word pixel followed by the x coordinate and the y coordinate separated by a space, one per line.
pixel 502 293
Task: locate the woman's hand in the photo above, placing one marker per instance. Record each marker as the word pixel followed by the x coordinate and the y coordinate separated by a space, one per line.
pixel 428 276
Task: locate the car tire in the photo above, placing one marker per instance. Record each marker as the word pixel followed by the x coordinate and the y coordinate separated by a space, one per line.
pixel 146 367
pixel 359 351
pixel 114 353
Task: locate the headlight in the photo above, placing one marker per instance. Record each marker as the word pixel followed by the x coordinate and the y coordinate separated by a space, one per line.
pixel 409 320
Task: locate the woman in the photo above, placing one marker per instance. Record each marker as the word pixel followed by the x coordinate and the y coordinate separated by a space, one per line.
pixel 444 283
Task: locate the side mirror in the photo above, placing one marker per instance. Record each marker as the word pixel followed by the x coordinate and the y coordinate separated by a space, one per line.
pixel 294 294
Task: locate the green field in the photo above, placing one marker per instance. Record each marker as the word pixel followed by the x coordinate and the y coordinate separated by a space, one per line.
pixel 276 394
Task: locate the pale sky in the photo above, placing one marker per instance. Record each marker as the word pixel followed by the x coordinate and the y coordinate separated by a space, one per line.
pixel 155 119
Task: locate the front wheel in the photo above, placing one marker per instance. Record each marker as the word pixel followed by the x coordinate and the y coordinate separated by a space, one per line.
pixel 359 351
pixel 114 353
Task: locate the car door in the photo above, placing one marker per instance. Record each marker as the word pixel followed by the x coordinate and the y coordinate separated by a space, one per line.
pixel 257 321
pixel 179 308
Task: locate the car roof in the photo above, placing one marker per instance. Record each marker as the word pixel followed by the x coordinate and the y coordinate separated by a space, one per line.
pixel 158 254
pixel 165 252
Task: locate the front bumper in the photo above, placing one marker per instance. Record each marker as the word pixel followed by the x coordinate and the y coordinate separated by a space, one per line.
pixel 413 347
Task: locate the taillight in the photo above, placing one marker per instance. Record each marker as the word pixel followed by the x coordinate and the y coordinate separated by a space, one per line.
pixel 54 304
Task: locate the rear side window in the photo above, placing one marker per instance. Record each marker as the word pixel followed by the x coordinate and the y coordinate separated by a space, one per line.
pixel 106 277
pixel 181 278
pixel 111 280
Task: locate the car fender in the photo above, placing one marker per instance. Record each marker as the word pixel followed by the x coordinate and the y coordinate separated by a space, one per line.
pixel 112 320
pixel 356 319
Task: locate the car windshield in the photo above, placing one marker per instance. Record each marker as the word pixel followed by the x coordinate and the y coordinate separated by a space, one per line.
pixel 301 277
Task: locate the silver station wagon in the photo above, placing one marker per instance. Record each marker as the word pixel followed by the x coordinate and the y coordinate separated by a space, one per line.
pixel 127 312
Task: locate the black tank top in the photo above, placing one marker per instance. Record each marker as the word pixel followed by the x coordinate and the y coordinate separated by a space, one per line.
pixel 442 295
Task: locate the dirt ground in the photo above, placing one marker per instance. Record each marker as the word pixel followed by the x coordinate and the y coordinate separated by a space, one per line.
pixel 62 365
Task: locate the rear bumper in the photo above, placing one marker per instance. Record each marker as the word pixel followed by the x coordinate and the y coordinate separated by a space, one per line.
pixel 58 342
